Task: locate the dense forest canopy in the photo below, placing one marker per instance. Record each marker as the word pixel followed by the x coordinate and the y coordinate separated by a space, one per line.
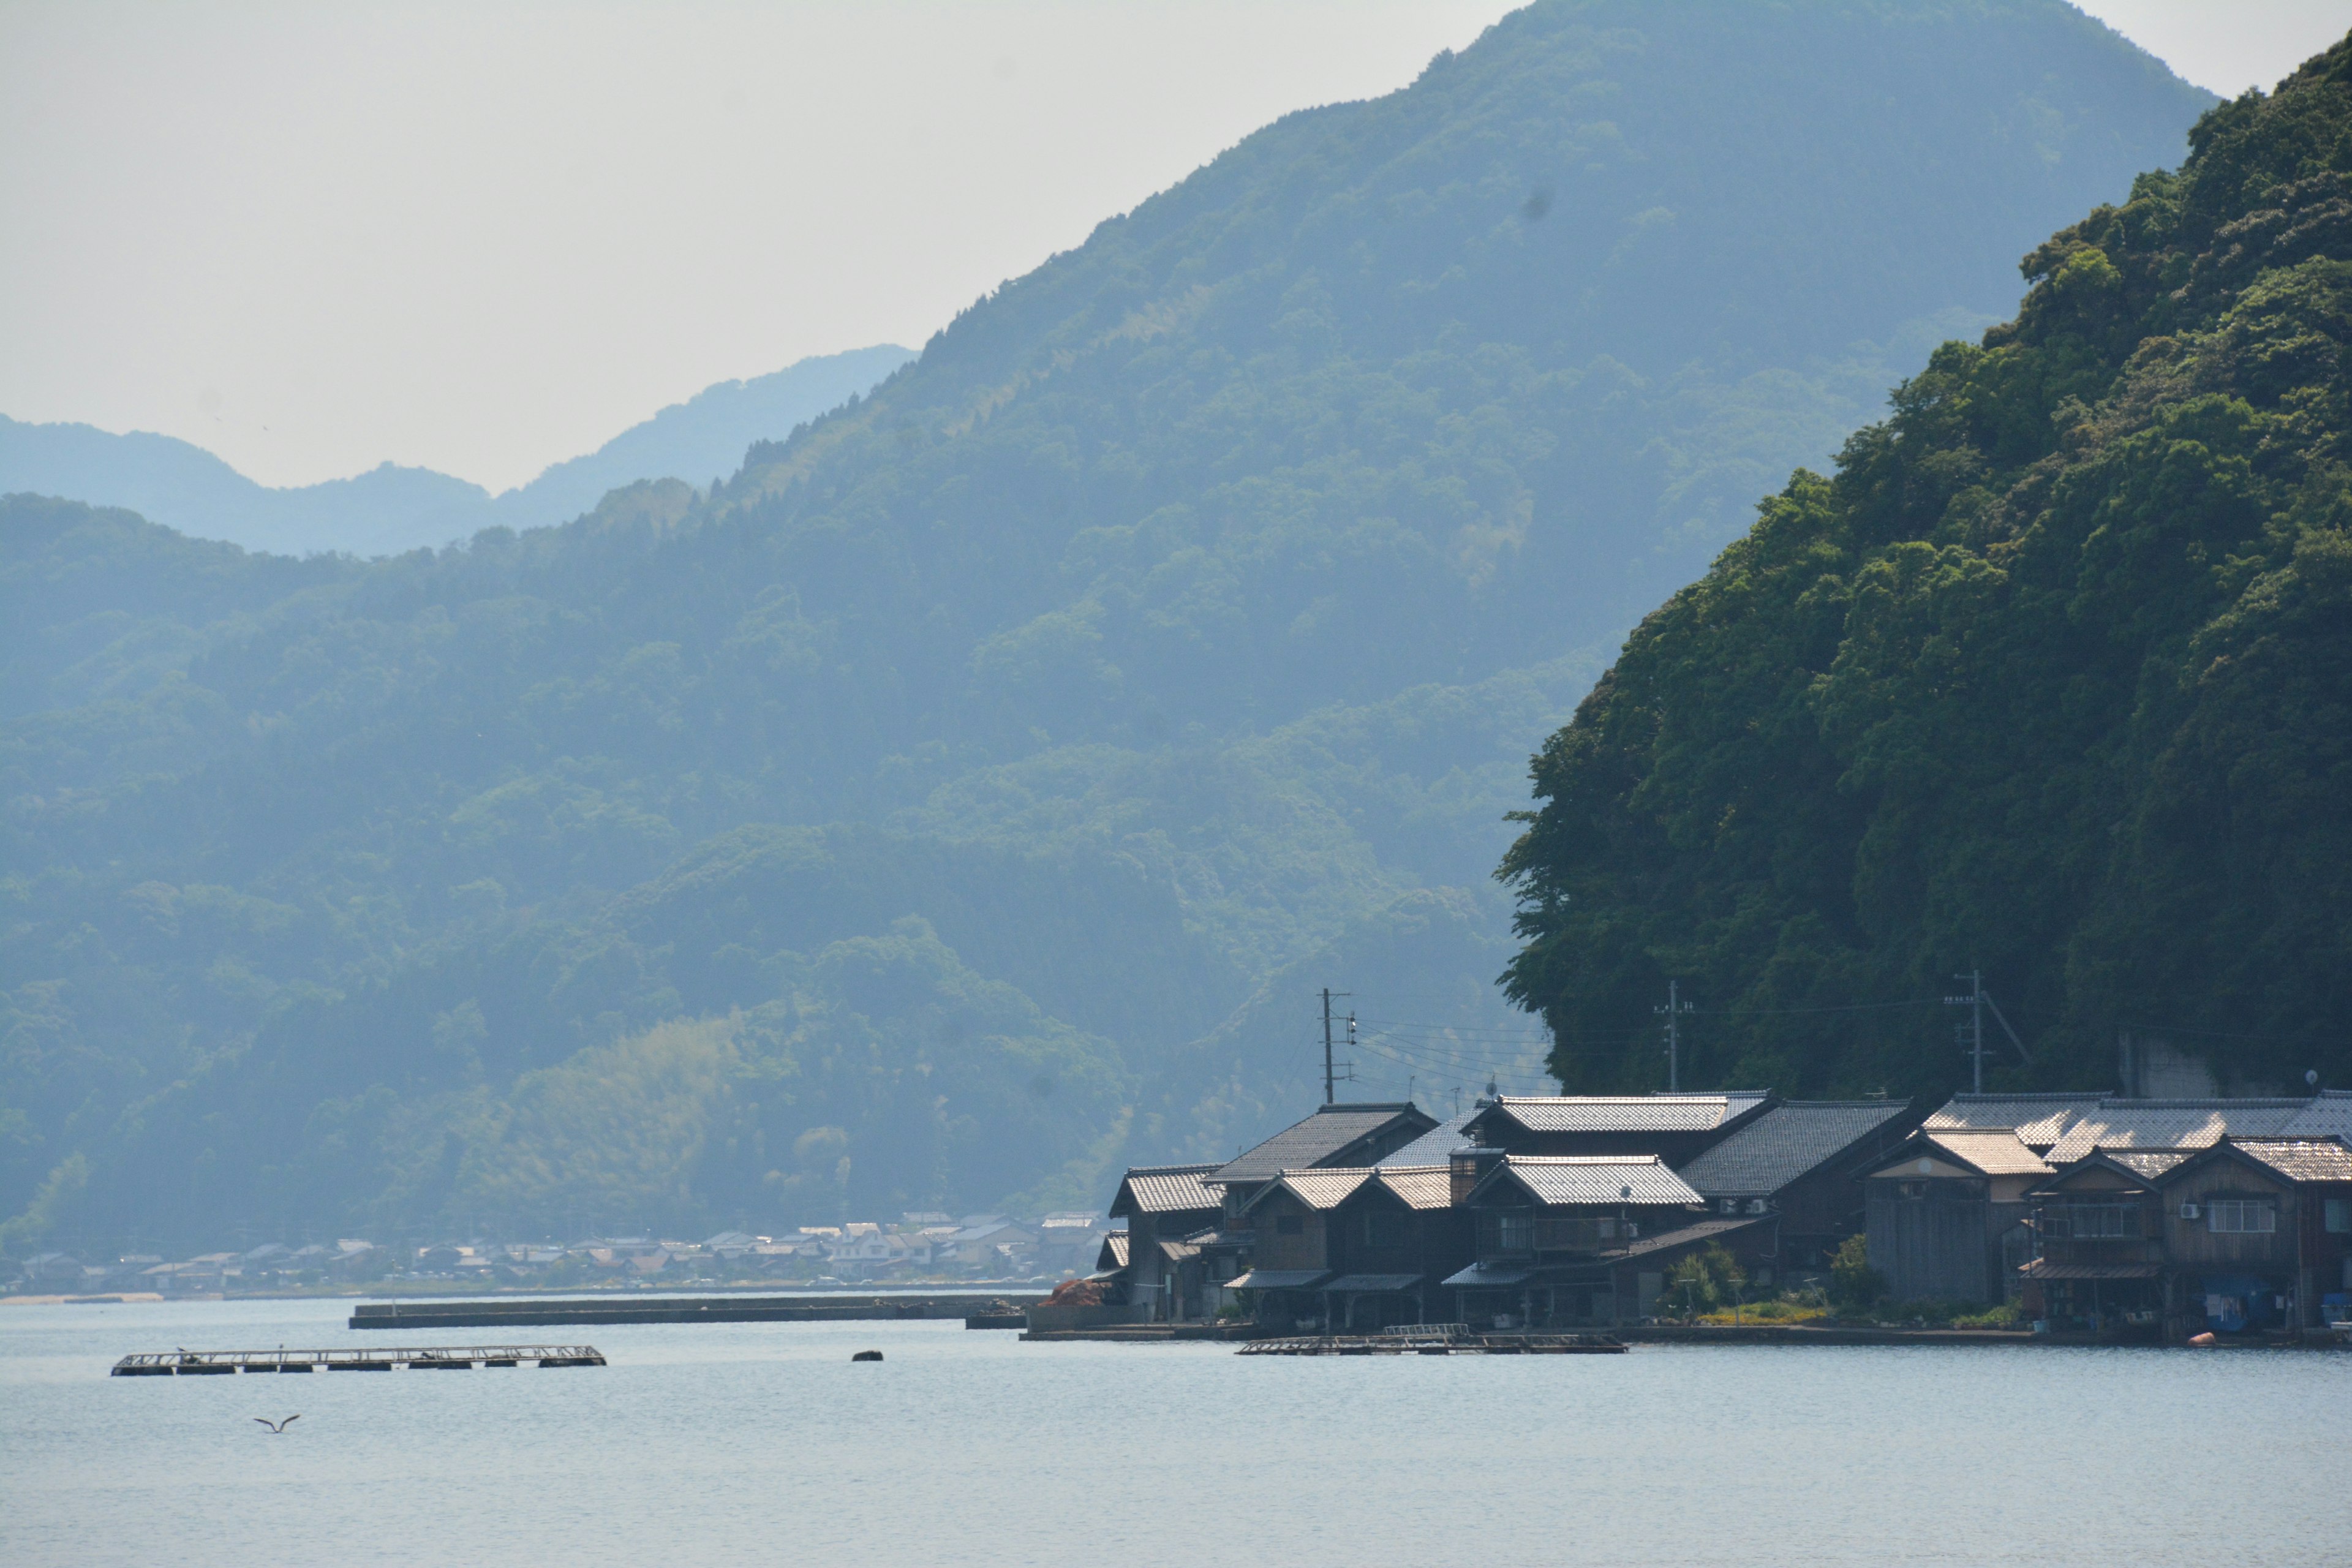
pixel 2053 677
pixel 967 794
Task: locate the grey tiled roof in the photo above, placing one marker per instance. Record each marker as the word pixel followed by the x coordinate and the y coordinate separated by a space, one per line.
pixel 1784 1144
pixel 2299 1159
pixel 1317 1189
pixel 2170 1124
pixel 2327 1115
pixel 1314 1141
pixel 1626 1114
pixel 1596 1178
pixel 1420 1186
pixel 1436 1146
pixel 1995 1150
pixel 2038 1119
pixel 1164 1189
pixel 2148 1163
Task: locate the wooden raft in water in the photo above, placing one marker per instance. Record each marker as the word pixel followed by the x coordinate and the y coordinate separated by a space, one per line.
pixel 219 1363
pixel 1437 1339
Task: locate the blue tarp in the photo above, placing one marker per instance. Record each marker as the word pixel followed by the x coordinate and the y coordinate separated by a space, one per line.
pixel 2235 1303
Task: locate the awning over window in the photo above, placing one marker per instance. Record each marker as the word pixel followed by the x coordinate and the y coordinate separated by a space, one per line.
pixel 2042 1268
pixel 1279 1279
pixel 1371 1284
pixel 1481 1274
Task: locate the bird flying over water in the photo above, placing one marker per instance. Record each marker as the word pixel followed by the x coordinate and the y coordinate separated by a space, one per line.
pixel 280 1426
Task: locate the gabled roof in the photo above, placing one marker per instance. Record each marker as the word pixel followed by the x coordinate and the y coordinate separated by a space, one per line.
pixel 2038 1119
pixel 1334 1135
pixel 1316 1189
pixel 1786 1142
pixel 2327 1115
pixel 1988 1152
pixel 1627 1112
pixel 1164 1189
pixel 1113 1254
pixel 1591 1179
pixel 2169 1124
pixel 1435 1146
pixel 2142 1165
pixel 1420 1186
pixel 2149 1162
pixel 2294 1159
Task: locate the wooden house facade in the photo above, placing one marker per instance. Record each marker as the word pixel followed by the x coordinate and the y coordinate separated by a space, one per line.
pixel 1801 1161
pixel 1948 1215
pixel 2257 1235
pixel 1581 1239
pixel 2098 1263
pixel 1165 1207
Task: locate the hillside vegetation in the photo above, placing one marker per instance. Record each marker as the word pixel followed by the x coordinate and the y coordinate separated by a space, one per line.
pixel 967 794
pixel 2053 675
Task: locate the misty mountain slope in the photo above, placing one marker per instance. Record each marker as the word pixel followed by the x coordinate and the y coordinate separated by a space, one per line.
pixel 2053 676
pixel 1169 640
pixel 391 508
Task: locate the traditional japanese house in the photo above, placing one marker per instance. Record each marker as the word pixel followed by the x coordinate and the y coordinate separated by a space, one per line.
pixel 2097 1229
pixel 1336 1137
pixel 1567 1239
pixel 1164 1205
pixel 1354 1248
pixel 1799 1161
pixel 2258 1236
pixel 1947 1213
pixel 1676 1128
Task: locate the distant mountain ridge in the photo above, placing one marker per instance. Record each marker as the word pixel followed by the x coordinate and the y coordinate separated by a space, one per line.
pixel 970 794
pixel 391 508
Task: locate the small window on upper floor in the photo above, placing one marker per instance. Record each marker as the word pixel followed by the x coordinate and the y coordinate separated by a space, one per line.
pixel 2242 1216
pixel 2336 1216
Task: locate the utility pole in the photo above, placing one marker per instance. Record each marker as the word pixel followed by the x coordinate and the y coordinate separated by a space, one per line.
pixel 1330 1094
pixel 1674 1010
pixel 1974 1003
pixel 1972 1032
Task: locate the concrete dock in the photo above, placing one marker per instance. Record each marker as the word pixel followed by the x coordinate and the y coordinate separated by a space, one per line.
pixel 499 1310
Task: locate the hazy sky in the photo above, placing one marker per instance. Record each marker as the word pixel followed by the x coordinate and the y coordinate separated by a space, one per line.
pixel 485 236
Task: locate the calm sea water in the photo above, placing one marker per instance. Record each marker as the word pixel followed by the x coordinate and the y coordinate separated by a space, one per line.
pixel 744 1443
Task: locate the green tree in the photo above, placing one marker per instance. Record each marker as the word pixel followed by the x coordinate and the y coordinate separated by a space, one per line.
pixel 2052 678
pixel 1855 1285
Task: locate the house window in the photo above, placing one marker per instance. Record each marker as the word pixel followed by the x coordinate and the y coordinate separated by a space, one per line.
pixel 2091 1222
pixel 1290 1225
pixel 1913 1191
pixel 2336 1216
pixel 1386 1229
pixel 1505 1230
pixel 2242 1216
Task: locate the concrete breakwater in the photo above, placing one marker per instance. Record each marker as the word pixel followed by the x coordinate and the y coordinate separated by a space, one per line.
pixel 577 1309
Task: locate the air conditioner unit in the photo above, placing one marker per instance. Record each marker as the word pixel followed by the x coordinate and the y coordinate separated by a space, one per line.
pixel 2187 1211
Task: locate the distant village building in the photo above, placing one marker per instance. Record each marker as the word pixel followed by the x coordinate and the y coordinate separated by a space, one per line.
pixel 2115 1217
pixel 1565 1210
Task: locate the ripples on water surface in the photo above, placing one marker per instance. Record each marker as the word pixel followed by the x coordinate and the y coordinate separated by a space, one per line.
pixel 742 1442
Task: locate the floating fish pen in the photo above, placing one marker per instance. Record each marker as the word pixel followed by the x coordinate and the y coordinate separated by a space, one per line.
pixel 223 1363
pixel 1437 1339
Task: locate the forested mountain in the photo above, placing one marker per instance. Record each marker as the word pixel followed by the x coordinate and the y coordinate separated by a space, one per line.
pixel 2053 676
pixel 391 508
pixel 967 795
